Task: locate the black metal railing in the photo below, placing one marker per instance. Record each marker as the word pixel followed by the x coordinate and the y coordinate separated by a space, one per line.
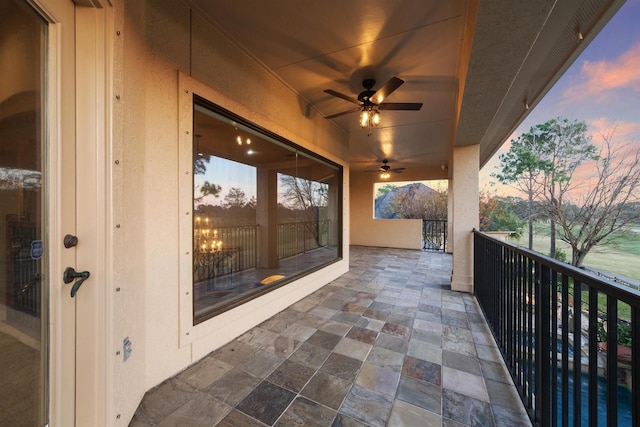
pixel 570 339
pixel 434 235
pixel 299 237
pixel 238 252
pixel 239 247
pixel 24 270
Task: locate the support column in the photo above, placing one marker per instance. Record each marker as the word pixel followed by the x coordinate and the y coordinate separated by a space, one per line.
pixel 450 245
pixel 267 218
pixel 332 212
pixel 465 216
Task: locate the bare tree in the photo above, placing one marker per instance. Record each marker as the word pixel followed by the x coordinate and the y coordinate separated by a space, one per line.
pixel 603 208
pixel 307 198
pixel 303 194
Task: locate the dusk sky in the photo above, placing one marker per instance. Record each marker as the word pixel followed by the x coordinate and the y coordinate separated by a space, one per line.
pixel 601 88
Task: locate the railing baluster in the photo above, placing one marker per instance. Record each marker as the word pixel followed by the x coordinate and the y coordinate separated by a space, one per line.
pixel 521 321
pixel 565 350
pixel 501 290
pixel 543 372
pixel 635 365
pixel 612 361
pixel 530 332
pixel 593 357
pixel 553 313
pixel 511 312
pixel 577 362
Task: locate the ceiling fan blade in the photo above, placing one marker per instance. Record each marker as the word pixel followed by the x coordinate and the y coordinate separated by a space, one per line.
pixel 397 170
pixel 415 106
pixel 342 96
pixel 332 116
pixel 386 90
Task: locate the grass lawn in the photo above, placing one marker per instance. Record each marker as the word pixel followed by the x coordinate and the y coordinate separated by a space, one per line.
pixel 621 258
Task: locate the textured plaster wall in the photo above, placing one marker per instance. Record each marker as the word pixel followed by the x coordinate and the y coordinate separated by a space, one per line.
pixel 160 38
pixel 367 231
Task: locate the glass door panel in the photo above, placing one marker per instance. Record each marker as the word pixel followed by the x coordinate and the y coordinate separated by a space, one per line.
pixel 23 287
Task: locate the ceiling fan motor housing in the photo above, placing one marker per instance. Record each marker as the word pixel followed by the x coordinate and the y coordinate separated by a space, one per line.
pixel 365 96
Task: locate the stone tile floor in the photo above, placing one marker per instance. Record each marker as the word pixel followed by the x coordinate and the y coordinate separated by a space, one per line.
pixel 387 344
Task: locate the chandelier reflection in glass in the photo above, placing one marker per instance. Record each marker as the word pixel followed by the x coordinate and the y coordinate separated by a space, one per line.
pixel 206 243
pixel 369 117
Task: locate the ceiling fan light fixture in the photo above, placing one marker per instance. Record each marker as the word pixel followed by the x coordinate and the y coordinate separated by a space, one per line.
pixel 364 118
pixel 376 118
pixel 369 117
pixel 385 175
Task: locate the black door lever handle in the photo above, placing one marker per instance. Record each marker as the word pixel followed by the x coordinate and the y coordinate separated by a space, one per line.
pixel 70 275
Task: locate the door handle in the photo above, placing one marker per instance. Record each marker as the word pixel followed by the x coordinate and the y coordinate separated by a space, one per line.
pixel 70 275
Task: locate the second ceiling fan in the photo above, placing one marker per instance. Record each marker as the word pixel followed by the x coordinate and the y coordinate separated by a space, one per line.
pixel 385 170
pixel 372 100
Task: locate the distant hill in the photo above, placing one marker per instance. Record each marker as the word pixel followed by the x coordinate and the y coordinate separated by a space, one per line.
pixel 383 208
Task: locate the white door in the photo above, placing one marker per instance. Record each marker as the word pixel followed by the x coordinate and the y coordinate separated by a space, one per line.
pixel 53 367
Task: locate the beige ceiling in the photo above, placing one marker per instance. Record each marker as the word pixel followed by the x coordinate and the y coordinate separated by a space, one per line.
pixel 473 64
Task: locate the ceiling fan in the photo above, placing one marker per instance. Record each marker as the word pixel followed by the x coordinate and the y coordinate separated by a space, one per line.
pixel 385 170
pixel 370 99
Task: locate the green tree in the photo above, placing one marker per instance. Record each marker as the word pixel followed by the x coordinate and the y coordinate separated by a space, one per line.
pixel 565 147
pixel 385 189
pixel 541 162
pixel 522 167
pixel 497 214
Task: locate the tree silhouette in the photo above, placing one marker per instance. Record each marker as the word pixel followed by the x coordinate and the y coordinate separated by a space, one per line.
pixel 235 198
pixel 208 189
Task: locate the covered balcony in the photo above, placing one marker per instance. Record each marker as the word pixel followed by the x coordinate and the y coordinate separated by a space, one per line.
pixel 397 337
pixel 388 343
pixel 158 117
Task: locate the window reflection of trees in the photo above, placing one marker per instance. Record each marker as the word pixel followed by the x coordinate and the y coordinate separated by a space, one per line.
pixel 232 234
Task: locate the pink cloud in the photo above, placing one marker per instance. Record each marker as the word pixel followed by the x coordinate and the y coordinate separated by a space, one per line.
pixel 600 77
pixel 619 130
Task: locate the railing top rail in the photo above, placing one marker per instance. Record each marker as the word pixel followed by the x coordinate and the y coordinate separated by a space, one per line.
pixel 623 293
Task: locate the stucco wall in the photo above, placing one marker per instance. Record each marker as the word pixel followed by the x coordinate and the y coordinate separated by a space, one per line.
pixel 156 44
pixel 367 231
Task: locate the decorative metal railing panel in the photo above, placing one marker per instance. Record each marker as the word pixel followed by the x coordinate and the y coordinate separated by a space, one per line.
pixel 434 235
pixel 570 339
